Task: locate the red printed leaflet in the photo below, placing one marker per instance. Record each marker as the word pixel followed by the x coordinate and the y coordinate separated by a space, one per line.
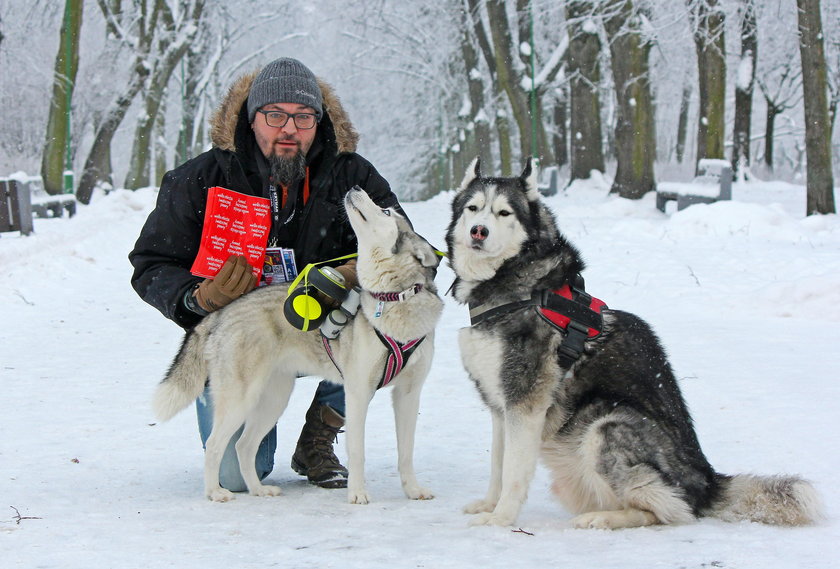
pixel 234 224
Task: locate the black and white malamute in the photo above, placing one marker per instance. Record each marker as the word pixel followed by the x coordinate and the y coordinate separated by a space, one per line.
pixel 587 388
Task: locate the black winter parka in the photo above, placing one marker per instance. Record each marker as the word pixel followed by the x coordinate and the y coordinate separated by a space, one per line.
pixel 169 240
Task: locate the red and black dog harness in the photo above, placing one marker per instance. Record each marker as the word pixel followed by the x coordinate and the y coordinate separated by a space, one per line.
pixel 569 309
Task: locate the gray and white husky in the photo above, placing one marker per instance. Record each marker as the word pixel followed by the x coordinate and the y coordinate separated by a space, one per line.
pixel 252 355
pixel 588 389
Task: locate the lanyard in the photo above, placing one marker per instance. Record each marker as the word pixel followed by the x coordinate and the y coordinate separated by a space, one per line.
pixel 283 208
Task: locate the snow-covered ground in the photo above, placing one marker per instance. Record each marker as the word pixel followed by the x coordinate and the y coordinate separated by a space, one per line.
pixel 745 295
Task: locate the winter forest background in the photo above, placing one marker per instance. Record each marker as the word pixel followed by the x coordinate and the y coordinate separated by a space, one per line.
pixel 638 89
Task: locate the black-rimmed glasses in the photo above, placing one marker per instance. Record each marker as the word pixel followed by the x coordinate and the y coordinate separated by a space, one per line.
pixel 278 119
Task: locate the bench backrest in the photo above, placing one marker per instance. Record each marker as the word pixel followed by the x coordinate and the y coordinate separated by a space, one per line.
pixel 15 207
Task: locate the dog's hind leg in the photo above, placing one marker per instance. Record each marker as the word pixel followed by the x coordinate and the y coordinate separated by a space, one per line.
pixel 226 421
pixel 644 499
pixel 613 473
pixel 497 451
pixel 261 418
pixel 406 401
pixel 522 439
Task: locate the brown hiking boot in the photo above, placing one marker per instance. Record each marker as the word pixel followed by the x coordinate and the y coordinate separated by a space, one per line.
pixel 314 456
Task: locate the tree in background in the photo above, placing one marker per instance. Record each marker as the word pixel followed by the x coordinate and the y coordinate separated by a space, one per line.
pixel 476 114
pixel 635 134
pixel 707 20
pixel 173 36
pixel 514 76
pixel 820 183
pixel 682 121
pixel 501 120
pixel 57 154
pixel 584 77
pixel 402 70
pixel 744 86
pixel 133 32
pixel 781 87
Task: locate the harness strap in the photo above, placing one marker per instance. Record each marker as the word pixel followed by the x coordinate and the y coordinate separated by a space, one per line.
pixel 569 309
pixel 328 349
pixel 398 355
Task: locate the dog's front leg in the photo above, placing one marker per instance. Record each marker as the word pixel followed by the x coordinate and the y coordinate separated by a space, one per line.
pixel 406 401
pixel 497 450
pixel 357 398
pixel 522 438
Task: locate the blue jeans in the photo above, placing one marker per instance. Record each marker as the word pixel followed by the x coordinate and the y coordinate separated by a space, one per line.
pixel 230 477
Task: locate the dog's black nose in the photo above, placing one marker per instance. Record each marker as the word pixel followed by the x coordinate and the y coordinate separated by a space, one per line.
pixel 479 232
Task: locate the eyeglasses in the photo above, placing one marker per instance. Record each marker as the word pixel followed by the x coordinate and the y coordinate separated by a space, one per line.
pixel 278 119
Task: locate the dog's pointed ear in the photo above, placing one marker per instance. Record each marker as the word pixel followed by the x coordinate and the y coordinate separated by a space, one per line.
pixel 473 172
pixel 529 180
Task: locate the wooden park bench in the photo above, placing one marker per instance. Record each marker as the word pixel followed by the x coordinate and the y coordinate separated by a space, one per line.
pixel 549 181
pixel 713 183
pixel 46 205
pixel 20 202
pixel 15 207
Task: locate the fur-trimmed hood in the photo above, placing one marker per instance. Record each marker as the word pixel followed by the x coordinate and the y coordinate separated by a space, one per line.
pixel 223 123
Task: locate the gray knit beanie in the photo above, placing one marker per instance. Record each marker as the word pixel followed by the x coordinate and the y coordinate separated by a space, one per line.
pixel 285 80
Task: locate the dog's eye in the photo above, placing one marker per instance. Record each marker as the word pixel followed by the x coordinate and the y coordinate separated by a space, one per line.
pixel 504 213
pixel 387 212
pixel 472 208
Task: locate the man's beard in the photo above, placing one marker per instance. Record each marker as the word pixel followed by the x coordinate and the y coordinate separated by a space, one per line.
pixel 287 171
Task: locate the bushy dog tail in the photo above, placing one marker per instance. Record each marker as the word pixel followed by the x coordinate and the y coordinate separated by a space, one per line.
pixel 185 380
pixel 778 500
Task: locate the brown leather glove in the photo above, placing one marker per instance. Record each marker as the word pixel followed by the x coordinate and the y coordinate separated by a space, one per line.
pixel 235 278
pixel 348 271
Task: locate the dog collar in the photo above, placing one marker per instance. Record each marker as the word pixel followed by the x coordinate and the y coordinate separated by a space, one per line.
pixel 397 296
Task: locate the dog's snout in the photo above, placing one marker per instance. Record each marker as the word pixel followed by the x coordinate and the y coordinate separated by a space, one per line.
pixel 479 232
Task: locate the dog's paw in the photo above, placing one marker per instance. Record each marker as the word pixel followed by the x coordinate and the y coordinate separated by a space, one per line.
pixel 479 506
pixel 593 520
pixel 360 497
pixel 618 519
pixel 266 490
pixel 419 493
pixel 220 495
pixel 491 519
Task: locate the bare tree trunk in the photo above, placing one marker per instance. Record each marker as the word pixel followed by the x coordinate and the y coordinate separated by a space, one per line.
pixel 820 181
pixel 505 146
pixel 708 21
pixel 97 167
pixel 507 75
pixel 744 86
pixel 635 134
pixel 479 117
pixel 770 133
pixel 159 145
pixel 192 63
pixel 585 104
pixel 173 41
pixel 682 123
pixel 561 136
pixel 502 123
pixel 58 135
pixel 510 81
